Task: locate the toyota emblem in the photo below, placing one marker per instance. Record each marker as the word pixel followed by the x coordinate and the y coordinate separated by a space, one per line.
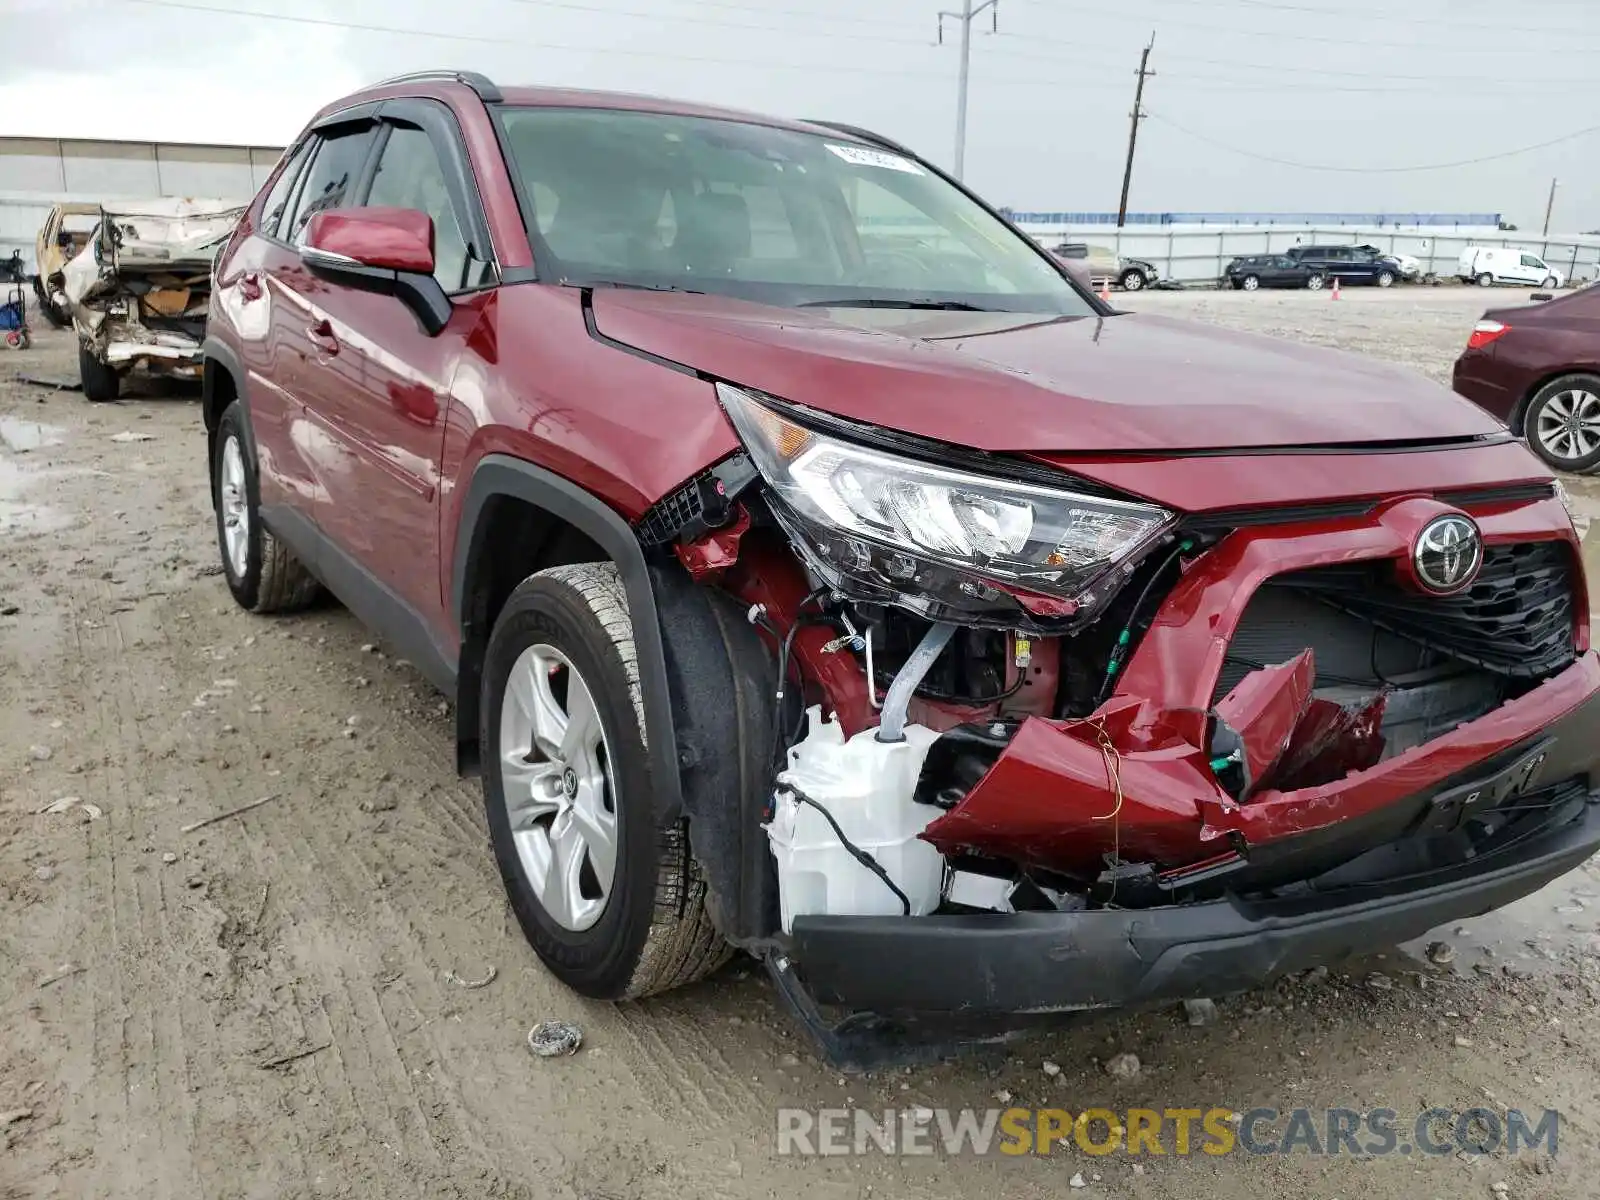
pixel 1447 554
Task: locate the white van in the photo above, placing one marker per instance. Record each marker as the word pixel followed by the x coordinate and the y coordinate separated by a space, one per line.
pixel 1489 265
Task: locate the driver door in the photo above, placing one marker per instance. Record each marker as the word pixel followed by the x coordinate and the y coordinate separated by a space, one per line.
pixel 377 385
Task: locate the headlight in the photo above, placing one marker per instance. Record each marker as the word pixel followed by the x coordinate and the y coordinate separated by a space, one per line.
pixel 941 541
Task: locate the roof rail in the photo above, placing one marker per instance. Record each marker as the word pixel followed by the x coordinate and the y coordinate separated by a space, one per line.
pixel 866 135
pixel 478 82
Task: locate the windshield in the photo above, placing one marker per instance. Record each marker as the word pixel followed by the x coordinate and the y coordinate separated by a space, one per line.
pixel 772 215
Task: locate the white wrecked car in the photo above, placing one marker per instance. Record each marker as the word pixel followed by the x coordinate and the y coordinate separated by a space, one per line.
pixel 140 290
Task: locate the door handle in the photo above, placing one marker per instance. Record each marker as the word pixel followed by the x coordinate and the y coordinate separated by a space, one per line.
pixel 250 287
pixel 321 335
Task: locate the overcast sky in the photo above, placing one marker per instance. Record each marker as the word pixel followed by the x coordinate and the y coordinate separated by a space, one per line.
pixel 1310 81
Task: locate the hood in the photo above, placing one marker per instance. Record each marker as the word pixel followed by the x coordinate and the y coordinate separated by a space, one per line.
pixel 1015 382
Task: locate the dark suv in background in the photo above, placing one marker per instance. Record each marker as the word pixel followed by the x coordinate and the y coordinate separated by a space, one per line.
pixel 1347 264
pixel 819 571
pixel 1270 271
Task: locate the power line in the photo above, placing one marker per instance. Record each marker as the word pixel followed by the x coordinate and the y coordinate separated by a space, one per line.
pixel 1079 74
pixel 721 22
pixel 1113 14
pixel 1388 18
pixel 1248 65
pixel 1303 166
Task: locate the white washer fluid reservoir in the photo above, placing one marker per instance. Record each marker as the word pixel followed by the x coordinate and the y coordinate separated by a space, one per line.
pixel 866 785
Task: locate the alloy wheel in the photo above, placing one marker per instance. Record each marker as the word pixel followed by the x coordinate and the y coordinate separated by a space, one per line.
pixel 1569 424
pixel 234 501
pixel 1251 283
pixel 555 774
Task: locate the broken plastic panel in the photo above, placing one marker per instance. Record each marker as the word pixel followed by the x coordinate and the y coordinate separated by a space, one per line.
pixel 1253 724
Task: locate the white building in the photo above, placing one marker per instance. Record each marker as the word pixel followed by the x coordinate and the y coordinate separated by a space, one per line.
pixel 36 173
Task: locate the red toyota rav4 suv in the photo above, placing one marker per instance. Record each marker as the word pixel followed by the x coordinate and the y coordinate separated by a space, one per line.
pixel 819 571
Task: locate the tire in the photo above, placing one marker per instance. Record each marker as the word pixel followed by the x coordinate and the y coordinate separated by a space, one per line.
pixel 1250 282
pixel 263 576
pixel 1385 279
pixel 646 930
pixel 1550 283
pixel 1563 418
pixel 1133 280
pixel 101 383
pixel 1484 280
pixel 1315 281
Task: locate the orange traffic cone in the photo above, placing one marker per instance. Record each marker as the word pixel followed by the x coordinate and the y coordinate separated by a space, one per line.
pixel 1105 291
pixel 1335 293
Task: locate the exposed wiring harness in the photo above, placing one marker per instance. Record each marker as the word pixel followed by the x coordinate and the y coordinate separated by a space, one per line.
pixel 1125 638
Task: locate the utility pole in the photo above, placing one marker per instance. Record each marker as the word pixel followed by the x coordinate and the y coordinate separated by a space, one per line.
pixel 968 11
pixel 1550 206
pixel 1138 115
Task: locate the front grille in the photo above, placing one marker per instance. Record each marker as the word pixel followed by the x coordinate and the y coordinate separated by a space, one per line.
pixel 1515 620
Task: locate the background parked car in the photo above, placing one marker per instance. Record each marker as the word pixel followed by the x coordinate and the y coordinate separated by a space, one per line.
pixel 1489 265
pixel 1537 368
pixel 1138 274
pixel 1410 266
pixel 1348 264
pixel 1270 270
pixel 1103 263
pixel 65 232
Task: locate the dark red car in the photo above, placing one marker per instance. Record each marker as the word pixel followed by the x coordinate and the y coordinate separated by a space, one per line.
pixel 1537 368
pixel 819 571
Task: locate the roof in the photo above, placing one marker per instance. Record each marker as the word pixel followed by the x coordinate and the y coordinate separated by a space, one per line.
pixel 557 97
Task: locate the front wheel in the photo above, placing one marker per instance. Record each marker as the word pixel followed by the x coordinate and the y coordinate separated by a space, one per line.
pixel 1550 284
pixel 1563 423
pixel 612 902
pixel 1385 279
pixel 1133 280
pixel 1251 282
pixel 1485 280
pixel 1315 282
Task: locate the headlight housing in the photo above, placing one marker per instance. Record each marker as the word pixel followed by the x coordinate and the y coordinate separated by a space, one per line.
pixel 944 542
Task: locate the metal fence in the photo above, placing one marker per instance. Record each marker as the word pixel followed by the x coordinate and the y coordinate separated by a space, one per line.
pixel 1198 255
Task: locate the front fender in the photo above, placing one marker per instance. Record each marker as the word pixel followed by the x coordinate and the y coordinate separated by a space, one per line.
pixel 502 475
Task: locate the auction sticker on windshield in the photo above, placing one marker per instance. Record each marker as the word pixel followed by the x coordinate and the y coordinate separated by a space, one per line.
pixel 862 157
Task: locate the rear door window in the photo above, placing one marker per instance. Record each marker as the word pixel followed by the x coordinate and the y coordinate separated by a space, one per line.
pixel 334 170
pixel 278 198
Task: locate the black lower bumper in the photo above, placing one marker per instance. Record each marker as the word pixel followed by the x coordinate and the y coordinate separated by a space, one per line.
pixel 992 964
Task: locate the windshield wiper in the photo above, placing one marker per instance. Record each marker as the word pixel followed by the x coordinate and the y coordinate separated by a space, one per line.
pixel 632 285
pixel 883 302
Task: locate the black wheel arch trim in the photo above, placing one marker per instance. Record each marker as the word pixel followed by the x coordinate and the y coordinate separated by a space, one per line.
pixel 502 475
pixel 217 355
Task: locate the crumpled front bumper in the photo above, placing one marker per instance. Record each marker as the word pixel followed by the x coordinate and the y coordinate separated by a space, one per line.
pixel 1024 963
pixel 1002 964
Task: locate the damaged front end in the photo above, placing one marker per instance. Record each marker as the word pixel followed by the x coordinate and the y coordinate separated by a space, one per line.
pixel 1035 697
pixel 139 292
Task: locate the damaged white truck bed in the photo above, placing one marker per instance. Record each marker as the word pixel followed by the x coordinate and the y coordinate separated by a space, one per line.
pixel 140 290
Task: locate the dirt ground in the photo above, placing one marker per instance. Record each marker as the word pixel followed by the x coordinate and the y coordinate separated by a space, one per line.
pixel 273 1005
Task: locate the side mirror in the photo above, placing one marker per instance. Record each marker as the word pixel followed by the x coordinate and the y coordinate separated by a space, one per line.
pixel 384 250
